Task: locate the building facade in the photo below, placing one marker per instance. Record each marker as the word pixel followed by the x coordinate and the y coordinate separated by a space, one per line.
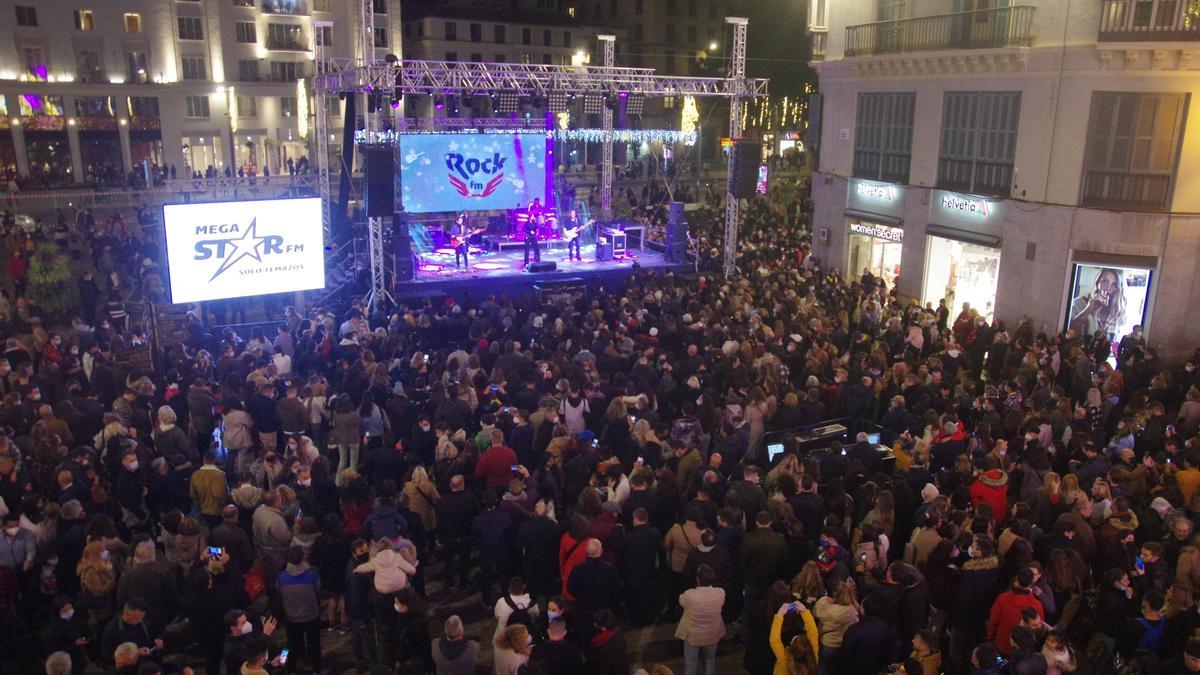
pixel 90 90
pixel 1029 159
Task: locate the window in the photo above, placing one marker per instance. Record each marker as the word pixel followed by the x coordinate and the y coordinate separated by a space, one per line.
pixel 247 106
pixel 670 7
pixel 571 11
pixel 566 38
pixel 883 136
pixel 381 38
pixel 133 23
pixel 27 16
pixel 88 63
pixel 34 61
pixel 612 9
pixel 526 58
pixel 476 32
pixel 243 3
pixel 248 70
pixel 194 68
pixel 547 38
pixel 1132 145
pixel 84 20
pixel 890 10
pixel 451 56
pixel 381 6
pixel 284 36
pixel 287 106
pixel 498 34
pixel 42 106
pixel 979 141
pixel 190 28
pixel 691 35
pixel 546 59
pixel 246 32
pixel 143 106
pixel 476 57
pixel 670 61
pixel 197 106
pixel 322 5
pixel 94 106
pixel 420 29
pixel 637 32
pixel 324 35
pixel 135 66
pixel 499 58
pixel 286 71
pixel 693 9
pixel 526 36
pixel 639 7
pixel 712 10
pixel 451 30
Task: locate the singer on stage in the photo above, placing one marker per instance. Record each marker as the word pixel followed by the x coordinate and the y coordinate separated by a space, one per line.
pixel 460 233
pixel 572 229
pixel 534 211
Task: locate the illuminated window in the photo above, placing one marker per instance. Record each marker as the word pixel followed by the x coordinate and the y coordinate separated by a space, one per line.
pixel 247 106
pixel 287 106
pixel 133 23
pixel 194 68
pixel 197 106
pixel 245 32
pixel 190 28
pixel 84 20
pixel 34 104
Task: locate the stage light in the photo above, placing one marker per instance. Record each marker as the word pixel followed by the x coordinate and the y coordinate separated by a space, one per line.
pixel 395 102
pixel 610 101
pixel 558 102
pixel 439 102
pixel 593 104
pixel 509 102
pixel 635 104
pixel 537 101
pixel 713 46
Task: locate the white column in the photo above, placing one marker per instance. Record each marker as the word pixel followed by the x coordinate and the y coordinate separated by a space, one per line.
pixel 18 137
pixel 76 153
pixel 126 151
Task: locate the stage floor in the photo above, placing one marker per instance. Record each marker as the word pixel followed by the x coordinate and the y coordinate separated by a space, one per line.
pixel 439 266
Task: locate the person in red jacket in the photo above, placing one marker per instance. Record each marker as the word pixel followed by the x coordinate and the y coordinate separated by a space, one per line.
pixel 991 486
pixel 496 464
pixel 1006 611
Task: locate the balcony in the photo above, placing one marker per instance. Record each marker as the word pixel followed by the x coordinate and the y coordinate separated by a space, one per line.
pixel 1149 21
pixel 980 29
pixel 1125 191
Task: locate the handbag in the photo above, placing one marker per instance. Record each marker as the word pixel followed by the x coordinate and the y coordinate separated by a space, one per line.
pixel 256 582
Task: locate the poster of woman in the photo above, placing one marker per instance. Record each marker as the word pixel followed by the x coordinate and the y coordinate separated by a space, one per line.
pixel 1109 299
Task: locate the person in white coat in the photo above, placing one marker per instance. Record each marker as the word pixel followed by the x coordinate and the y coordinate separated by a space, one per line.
pixel 701 627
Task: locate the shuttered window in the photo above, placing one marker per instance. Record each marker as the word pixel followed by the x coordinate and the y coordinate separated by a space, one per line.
pixel 1133 143
pixel 883 136
pixel 979 141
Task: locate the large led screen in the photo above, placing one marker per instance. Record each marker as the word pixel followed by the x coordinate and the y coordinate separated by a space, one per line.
pixel 471 172
pixel 1108 298
pixel 236 249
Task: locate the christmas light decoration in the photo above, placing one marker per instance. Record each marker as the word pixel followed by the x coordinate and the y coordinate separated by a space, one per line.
pixel 233 110
pixel 302 108
pixel 689 117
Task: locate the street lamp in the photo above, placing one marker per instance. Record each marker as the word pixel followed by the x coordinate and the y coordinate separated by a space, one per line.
pixel 713 46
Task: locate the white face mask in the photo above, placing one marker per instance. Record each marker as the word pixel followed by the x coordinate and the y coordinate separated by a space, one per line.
pixel 247 628
pixel 133 466
pixel 67 614
pixel 12 531
pixel 306 482
pixel 104 555
pixel 553 614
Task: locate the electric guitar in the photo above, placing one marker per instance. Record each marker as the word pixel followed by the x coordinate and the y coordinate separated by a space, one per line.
pixel 570 233
pixel 455 241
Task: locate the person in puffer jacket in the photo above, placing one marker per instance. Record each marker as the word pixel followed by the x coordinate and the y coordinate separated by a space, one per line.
pixel 991 486
pixel 300 594
pixel 392 563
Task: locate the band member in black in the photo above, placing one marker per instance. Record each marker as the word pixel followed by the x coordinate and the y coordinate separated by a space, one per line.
pixel 534 220
pixel 461 232
pixel 572 229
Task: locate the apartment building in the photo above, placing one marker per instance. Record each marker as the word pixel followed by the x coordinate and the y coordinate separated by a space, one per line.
pixel 1029 158
pixel 96 88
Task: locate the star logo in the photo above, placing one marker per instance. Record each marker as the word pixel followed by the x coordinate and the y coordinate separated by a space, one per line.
pixel 244 247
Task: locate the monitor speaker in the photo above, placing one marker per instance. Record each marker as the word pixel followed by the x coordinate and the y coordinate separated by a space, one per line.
pixel 743 175
pixel 379 188
pixel 544 266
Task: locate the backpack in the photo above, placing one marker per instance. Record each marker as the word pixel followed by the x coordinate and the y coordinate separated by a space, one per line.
pixel 520 615
pixel 1154 636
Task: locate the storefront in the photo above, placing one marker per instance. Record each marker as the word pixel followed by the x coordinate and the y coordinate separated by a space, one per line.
pixel 874 230
pixel 962 253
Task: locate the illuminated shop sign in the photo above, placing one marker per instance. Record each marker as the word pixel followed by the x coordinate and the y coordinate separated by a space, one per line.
pixel 878 231
pixel 967 205
pixel 875 190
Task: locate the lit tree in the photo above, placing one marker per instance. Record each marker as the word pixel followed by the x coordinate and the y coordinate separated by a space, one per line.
pixel 51 284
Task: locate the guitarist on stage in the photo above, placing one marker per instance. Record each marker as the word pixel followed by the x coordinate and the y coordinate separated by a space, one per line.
pixel 460 232
pixel 572 228
pixel 534 211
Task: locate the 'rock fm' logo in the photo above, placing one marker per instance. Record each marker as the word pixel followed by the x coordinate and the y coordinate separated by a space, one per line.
pixel 467 185
pixel 238 245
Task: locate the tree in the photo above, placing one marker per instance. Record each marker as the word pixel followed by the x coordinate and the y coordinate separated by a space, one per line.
pixel 51 284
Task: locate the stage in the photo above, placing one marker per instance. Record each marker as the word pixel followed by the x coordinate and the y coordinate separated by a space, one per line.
pixel 504 270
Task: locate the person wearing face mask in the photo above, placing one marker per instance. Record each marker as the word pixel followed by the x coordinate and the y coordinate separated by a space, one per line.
pixel 67 631
pixel 300 595
pixel 412 640
pixel 241 634
pixel 17 547
pixel 130 491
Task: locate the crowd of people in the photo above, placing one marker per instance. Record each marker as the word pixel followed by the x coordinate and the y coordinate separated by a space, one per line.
pixel 589 465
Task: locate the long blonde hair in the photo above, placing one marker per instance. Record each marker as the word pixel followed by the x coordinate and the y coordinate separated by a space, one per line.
pixel 514 638
pixel 801 659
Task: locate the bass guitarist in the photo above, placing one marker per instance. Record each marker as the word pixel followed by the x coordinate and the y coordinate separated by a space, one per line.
pixel 533 221
pixel 571 231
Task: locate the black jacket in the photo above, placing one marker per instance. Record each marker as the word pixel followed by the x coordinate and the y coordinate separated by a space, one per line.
pixel 595 585
pixel 637 555
pixel 977 590
pixel 537 544
pixel 866 647
pixel 558 658
pixel 456 511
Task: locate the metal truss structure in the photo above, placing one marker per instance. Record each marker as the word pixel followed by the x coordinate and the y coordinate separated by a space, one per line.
pixel 395 78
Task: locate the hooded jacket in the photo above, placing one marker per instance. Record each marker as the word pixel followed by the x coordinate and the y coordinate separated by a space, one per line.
pixel 455 657
pixel 991 486
pixel 391 569
pixel 1006 613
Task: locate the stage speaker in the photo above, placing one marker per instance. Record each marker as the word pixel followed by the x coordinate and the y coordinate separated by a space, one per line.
pixel 603 251
pixel 402 248
pixel 544 266
pixel 379 188
pixel 676 243
pixel 743 172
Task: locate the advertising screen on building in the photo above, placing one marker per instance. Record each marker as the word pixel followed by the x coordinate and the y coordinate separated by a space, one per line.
pixel 1108 298
pixel 471 172
pixel 236 249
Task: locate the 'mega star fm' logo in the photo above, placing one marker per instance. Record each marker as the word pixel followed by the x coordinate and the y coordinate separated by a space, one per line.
pixel 241 244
